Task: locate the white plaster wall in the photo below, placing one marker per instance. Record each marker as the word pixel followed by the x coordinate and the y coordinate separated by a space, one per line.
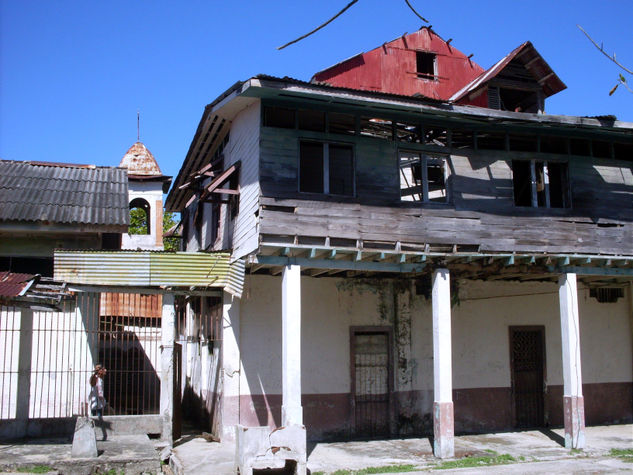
pixel 481 355
pixel 152 192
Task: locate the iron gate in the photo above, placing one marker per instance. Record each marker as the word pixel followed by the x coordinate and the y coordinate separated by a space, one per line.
pixel 371 381
pixel 527 358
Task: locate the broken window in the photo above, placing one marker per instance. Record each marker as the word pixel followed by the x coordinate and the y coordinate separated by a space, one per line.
pixel 408 132
pixel 425 64
pixel 436 135
pixel 606 294
pixel 540 184
pixel 377 128
pixel 423 177
pixel 326 168
pixel 279 117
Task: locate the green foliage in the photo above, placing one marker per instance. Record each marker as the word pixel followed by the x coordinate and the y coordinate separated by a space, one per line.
pixel 469 462
pixel 622 454
pixel 35 469
pixel 169 221
pixel 370 470
pixel 138 221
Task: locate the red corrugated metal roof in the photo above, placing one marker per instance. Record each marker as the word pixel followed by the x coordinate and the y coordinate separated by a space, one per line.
pixel 14 285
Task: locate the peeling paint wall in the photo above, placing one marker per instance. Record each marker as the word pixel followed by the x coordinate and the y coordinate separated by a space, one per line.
pixel 481 358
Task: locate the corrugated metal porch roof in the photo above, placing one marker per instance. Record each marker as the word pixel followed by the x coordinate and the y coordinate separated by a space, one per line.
pixel 151 269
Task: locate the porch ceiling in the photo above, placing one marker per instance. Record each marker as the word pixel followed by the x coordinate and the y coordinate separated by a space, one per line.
pixel 340 261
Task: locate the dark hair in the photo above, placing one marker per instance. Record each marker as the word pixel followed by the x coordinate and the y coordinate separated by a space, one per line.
pixel 93 380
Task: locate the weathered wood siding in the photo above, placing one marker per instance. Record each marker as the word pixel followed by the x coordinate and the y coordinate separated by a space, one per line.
pixel 481 213
pixel 243 146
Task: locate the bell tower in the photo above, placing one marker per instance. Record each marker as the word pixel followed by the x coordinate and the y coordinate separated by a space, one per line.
pixel 146 185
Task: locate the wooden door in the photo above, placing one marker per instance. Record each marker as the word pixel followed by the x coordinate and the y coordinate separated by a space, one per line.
pixel 527 365
pixel 372 376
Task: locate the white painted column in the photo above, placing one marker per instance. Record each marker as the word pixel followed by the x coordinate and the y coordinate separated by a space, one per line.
pixel 291 410
pixel 168 335
pixel 573 403
pixel 443 423
pixel 23 400
pixel 231 367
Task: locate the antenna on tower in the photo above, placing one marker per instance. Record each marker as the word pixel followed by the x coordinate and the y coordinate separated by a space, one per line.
pixel 138 125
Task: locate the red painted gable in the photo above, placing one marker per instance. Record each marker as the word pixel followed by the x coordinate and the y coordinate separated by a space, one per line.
pixel 392 68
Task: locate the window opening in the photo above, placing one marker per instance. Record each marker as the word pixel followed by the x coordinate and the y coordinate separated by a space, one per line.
pixel 553 145
pixel 342 123
pixel 378 128
pixel 540 184
pixel 139 217
pixel 601 149
pixel 622 151
pixel 326 168
pixel 423 178
pixel 425 64
pixel 523 143
pixel 491 140
pixel 312 120
pixel 606 294
pixel 279 117
pixel 580 147
pixel 436 135
pixel 462 138
pixel 410 133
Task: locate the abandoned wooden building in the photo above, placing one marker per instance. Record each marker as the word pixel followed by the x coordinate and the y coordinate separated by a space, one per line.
pixel 427 251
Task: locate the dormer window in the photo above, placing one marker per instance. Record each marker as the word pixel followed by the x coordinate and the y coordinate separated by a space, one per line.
pixel 425 64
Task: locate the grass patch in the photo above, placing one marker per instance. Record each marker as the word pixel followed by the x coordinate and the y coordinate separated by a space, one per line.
pixel 623 454
pixel 371 470
pixel 35 469
pixel 470 462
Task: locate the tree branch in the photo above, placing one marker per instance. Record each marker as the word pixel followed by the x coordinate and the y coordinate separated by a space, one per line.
pixel 601 49
pixel 321 26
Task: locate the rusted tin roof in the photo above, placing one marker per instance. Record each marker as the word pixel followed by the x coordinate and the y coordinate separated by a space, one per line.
pixel 151 269
pixel 139 161
pixel 13 285
pixel 542 72
pixel 58 193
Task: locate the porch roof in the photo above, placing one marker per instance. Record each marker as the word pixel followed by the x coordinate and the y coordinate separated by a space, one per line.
pixel 327 260
pixel 154 270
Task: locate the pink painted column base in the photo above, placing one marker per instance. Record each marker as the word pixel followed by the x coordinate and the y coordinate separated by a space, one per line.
pixel 574 415
pixel 443 430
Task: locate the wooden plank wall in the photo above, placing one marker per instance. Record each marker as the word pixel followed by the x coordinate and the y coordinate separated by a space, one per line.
pixel 243 146
pixel 482 211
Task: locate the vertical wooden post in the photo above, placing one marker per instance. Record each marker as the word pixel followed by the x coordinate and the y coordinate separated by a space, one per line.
pixel 291 410
pixel 231 366
pixel 443 423
pixel 168 335
pixel 573 403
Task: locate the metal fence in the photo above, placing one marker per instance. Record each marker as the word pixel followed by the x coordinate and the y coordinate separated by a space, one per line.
pixel 47 358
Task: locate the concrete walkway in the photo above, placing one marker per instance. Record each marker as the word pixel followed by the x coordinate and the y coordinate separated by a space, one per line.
pixel 130 454
pixel 196 456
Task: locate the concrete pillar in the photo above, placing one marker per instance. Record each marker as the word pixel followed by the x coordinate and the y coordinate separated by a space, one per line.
pixel 168 335
pixel 291 410
pixel 25 355
pixel 231 367
pixel 443 424
pixel 574 407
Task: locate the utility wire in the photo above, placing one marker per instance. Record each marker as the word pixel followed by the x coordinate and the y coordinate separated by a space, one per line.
pixel 321 26
pixel 416 13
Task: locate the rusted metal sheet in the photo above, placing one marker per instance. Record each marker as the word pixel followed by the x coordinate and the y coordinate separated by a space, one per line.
pixel 139 161
pixel 132 305
pixel 392 68
pixel 150 269
pixel 13 285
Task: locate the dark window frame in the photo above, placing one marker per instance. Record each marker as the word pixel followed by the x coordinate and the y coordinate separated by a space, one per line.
pixel 545 189
pixel 325 164
pixel 425 161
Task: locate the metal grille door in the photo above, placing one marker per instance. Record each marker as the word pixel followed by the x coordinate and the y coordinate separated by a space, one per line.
pixel 371 362
pixel 527 363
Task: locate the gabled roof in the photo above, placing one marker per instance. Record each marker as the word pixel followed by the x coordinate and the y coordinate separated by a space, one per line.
pixel 58 193
pixel 531 59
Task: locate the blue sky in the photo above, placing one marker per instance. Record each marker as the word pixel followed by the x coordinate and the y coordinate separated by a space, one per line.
pixel 73 74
